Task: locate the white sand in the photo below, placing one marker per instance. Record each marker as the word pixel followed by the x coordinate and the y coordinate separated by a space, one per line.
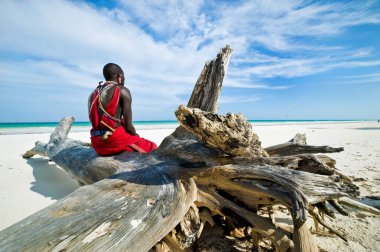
pixel 27 186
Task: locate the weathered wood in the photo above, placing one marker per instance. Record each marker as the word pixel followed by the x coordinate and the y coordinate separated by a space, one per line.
pixel 305 162
pixel 133 201
pixel 205 94
pixel 220 205
pixel 330 162
pixel 275 182
pixel 298 145
pixel 231 133
pixel 299 139
pixel 112 214
pixel 354 204
pixel 303 240
pixel 207 89
pixel 323 223
pixel 324 210
pixel 173 244
pixel 338 207
pixel 38 149
pixel 344 177
pixel 80 160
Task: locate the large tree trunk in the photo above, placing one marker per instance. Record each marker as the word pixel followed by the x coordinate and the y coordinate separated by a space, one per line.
pixel 211 165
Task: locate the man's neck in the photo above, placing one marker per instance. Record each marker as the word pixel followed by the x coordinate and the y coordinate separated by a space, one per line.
pixel 111 82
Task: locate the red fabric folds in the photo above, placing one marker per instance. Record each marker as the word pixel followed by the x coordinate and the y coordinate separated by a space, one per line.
pixel 120 140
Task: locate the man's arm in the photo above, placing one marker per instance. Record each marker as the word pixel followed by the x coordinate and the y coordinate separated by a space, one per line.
pixel 126 105
pixel 89 104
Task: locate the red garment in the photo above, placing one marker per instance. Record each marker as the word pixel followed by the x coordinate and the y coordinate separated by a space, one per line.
pixel 120 140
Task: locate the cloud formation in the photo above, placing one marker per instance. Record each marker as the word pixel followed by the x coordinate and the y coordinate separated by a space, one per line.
pixel 162 46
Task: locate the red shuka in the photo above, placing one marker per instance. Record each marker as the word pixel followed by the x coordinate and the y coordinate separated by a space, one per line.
pixel 120 140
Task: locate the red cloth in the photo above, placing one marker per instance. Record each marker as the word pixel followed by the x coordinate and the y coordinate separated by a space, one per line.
pixel 120 140
pixel 111 109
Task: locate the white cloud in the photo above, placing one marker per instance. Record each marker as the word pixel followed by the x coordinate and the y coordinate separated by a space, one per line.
pixel 361 78
pixel 275 25
pixel 167 17
pixel 271 67
pixel 283 68
pixel 43 73
pixel 271 23
pixel 162 45
pixel 66 43
pixel 246 83
pixel 238 99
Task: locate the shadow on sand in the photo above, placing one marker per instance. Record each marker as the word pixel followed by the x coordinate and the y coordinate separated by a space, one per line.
pixel 371 202
pixel 51 181
pixel 369 128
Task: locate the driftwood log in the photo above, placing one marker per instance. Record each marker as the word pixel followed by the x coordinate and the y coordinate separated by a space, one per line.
pixel 212 166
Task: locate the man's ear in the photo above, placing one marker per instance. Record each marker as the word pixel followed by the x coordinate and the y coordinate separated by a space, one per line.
pixel 118 78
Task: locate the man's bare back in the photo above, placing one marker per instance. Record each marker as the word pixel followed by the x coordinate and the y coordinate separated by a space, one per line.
pixel 110 112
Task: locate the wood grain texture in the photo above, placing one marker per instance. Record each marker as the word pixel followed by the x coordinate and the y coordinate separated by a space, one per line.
pixel 211 165
pixel 231 133
pixel 207 89
pixel 297 145
pixel 114 214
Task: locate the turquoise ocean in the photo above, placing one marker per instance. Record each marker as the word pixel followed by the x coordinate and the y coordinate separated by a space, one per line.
pixel 47 127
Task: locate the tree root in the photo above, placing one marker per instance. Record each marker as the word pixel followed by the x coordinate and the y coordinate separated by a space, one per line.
pixel 319 219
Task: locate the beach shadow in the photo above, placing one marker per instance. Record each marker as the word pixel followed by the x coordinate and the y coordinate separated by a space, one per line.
pixel 368 128
pixel 284 220
pixel 51 181
pixel 151 175
pixel 370 202
pixel 156 174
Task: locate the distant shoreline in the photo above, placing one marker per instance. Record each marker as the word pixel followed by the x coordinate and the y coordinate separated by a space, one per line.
pixel 156 122
pixel 48 127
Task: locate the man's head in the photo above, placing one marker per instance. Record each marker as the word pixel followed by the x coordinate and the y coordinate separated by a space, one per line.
pixel 113 72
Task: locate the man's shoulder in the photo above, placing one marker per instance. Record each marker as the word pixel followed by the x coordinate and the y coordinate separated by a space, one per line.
pixel 124 90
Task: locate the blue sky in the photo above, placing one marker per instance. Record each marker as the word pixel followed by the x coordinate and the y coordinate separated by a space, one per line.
pixel 291 59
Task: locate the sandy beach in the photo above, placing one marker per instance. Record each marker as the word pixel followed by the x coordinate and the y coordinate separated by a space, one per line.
pixel 28 185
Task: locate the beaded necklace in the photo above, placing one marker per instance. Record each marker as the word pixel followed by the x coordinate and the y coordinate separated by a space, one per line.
pixel 101 88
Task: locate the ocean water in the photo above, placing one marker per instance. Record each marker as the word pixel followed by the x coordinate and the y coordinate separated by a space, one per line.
pixel 48 127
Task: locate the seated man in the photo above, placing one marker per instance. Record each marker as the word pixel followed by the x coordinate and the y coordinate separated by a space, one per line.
pixel 110 112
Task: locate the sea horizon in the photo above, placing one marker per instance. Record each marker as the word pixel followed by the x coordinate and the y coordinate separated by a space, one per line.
pixel 10 128
pixel 86 123
pixel 147 122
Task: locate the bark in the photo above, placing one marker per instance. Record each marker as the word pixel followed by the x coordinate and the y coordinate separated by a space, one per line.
pixel 298 145
pixel 38 149
pixel 305 162
pixel 211 165
pixel 232 133
pixel 207 89
pixel 355 204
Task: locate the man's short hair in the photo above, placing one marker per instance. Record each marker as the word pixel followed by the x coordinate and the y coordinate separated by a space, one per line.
pixel 111 70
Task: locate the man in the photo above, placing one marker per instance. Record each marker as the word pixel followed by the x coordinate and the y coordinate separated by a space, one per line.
pixel 110 112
